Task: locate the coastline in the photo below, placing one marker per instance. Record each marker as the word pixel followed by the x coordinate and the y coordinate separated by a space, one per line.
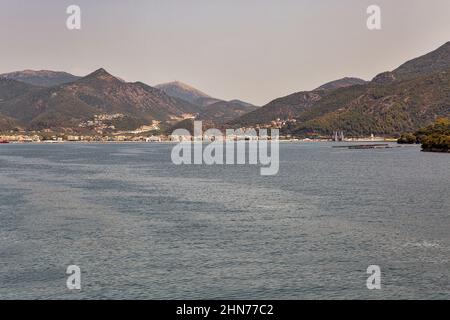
pixel 433 150
pixel 46 142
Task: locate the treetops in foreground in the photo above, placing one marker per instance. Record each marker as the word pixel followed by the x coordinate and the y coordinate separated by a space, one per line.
pixel 435 137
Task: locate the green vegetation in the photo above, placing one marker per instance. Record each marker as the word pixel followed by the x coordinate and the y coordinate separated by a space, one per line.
pixel 384 110
pixel 436 143
pixel 435 137
pixel 407 138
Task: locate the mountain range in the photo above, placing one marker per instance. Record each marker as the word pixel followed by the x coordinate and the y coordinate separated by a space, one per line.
pixel 405 99
pixel 29 102
pixel 402 100
pixel 66 105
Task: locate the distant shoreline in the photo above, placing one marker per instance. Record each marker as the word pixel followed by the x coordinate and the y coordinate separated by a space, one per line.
pixel 176 142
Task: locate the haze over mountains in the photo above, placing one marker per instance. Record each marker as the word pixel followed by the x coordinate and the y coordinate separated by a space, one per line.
pixel 183 91
pixel 213 109
pixel 405 99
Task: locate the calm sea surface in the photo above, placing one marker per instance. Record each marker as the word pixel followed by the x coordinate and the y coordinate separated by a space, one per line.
pixel 140 227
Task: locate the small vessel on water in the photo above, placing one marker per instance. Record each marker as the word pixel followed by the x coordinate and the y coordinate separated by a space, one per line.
pixel 3 141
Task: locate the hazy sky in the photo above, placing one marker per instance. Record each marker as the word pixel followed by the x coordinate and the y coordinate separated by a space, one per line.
pixel 255 50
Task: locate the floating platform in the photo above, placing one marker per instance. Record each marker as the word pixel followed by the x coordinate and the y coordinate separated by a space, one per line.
pixel 366 146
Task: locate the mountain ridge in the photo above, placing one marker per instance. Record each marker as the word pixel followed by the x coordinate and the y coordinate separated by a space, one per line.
pixel 429 63
pixel 406 98
pixel 99 92
pixel 360 109
pixel 341 83
pixel 404 106
pixel 44 78
pixel 290 106
pixel 183 91
pixel 66 106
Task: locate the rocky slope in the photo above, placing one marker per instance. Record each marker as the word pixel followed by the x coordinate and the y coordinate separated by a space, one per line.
pixel 10 89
